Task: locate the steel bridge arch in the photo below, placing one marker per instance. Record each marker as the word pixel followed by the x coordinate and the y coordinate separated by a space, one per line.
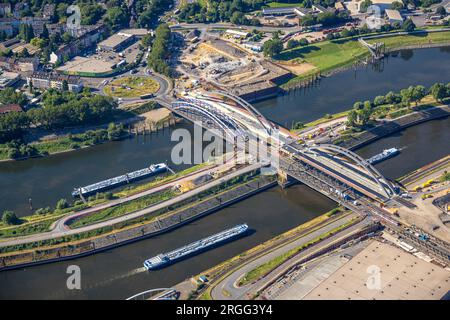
pixel 373 172
pixel 251 109
pixel 191 106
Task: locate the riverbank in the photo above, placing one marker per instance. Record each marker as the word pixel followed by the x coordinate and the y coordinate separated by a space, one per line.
pixel 333 56
pixel 386 128
pixel 130 231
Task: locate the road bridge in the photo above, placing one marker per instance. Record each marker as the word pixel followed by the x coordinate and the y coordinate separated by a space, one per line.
pixel 336 172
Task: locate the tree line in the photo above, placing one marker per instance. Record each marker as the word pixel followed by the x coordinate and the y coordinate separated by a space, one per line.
pixel 60 109
pixel 157 59
pixel 360 115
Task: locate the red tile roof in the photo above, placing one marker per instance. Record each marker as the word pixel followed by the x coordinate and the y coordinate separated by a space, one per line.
pixel 10 108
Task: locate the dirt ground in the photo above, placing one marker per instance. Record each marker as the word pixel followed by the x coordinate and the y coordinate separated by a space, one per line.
pixel 297 68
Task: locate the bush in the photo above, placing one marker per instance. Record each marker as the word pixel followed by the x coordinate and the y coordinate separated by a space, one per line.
pixel 10 218
pixel 62 204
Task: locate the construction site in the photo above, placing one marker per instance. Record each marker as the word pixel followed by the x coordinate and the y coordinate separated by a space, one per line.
pixel 225 65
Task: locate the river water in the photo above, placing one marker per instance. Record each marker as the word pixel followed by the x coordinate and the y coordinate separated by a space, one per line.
pixel 115 274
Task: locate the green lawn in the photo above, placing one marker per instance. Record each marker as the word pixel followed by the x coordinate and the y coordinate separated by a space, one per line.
pixel 393 42
pixel 326 55
pixel 124 208
pixel 130 87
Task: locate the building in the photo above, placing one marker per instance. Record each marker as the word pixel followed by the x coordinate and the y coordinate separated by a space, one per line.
pixel 24 65
pixel 355 5
pixel 281 11
pixel 301 12
pixel 139 33
pixel 393 16
pixel 48 11
pixel 10 108
pixel 5 9
pixel 86 36
pixel 254 46
pixel 8 79
pixel 47 80
pixel 117 42
pixel 317 8
pixel 237 34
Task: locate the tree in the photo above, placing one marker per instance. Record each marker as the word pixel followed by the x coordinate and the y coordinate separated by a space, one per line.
pixel 44 34
pixel 441 11
pixel 407 94
pixel 62 204
pixel 352 118
pixel 272 47
pixel 364 5
pixel 292 44
pixel 357 105
pixel 438 91
pixel 116 17
pixel 379 100
pixel 364 114
pixel 418 93
pixel 408 25
pixel 10 218
pixel 65 85
pixel 397 5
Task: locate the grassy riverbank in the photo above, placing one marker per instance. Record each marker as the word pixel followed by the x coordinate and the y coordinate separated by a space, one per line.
pixel 419 39
pixel 16 150
pixel 331 55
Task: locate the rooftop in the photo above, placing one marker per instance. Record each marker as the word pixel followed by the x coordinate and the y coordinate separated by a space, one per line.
pixel 56 77
pixel 10 108
pixel 403 276
pixel 115 40
pixel 393 14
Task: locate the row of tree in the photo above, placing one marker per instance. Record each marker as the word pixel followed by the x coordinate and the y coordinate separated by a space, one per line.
pixel 157 59
pixel 61 109
pixel 361 112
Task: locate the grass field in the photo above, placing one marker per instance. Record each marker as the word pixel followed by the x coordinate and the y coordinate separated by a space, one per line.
pixel 329 55
pixel 130 87
pixel 394 42
pixel 124 208
pixel 326 56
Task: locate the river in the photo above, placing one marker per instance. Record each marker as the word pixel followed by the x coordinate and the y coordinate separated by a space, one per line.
pixel 114 274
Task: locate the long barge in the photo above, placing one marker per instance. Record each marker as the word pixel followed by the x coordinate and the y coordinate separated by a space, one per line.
pixel 120 180
pixel 164 259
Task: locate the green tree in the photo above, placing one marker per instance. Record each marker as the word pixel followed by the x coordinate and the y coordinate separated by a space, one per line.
pixel 272 47
pixel 438 91
pixel 10 218
pixel 62 204
pixel 418 93
pixel 352 118
pixel 408 25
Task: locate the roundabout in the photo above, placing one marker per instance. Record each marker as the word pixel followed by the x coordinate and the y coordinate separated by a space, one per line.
pixel 131 87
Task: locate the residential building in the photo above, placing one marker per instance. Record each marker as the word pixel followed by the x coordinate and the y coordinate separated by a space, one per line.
pixel 8 79
pixel 5 9
pixel 47 80
pixel 21 65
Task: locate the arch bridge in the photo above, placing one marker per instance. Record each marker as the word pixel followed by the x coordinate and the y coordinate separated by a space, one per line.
pixel 349 173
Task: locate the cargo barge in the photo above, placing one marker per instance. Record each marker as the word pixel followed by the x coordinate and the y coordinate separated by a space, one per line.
pixel 165 259
pixel 120 180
